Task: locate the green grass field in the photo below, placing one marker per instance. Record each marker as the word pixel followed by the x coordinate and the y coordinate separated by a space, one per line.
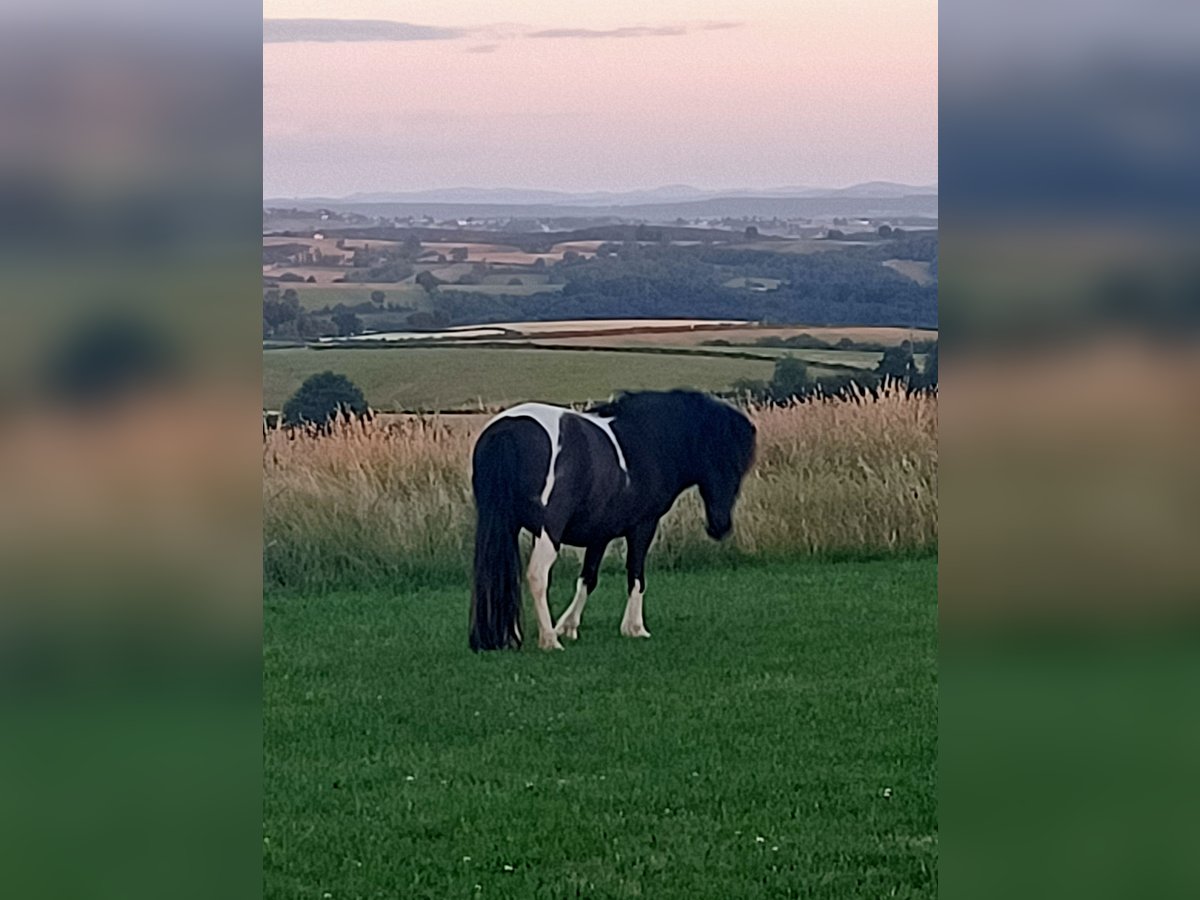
pixel 776 737
pixel 511 290
pixel 314 296
pixel 447 378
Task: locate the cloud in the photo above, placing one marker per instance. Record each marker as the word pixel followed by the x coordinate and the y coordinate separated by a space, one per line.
pixel 631 32
pixel 290 31
pixel 634 31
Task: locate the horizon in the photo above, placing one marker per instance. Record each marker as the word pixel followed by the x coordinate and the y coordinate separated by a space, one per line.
pixel 717 191
pixel 515 95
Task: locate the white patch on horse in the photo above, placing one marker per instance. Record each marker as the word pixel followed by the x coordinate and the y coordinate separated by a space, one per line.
pixel 540 562
pixel 568 624
pixel 632 624
pixel 550 418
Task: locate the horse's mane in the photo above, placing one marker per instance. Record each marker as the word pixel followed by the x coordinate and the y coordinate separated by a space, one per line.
pixel 677 413
pixel 631 403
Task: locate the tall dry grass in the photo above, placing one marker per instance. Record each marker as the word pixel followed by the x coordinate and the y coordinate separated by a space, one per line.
pixel 386 501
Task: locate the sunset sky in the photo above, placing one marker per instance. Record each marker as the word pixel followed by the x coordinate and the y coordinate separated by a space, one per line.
pixel 382 95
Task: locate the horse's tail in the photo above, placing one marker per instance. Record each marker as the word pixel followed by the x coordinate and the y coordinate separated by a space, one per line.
pixel 496 593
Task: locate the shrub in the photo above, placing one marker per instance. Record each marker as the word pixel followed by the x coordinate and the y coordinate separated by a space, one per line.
pixel 322 396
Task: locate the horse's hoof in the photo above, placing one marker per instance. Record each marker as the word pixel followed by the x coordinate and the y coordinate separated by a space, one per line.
pixel 550 643
pixel 570 632
pixel 639 632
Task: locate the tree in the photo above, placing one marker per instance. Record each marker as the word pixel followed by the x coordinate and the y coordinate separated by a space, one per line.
pixel 790 378
pixel 347 323
pixel 930 376
pixel 377 297
pixel 751 233
pixel 458 254
pixel 897 362
pixel 885 231
pixel 428 280
pixel 279 310
pixel 311 279
pixel 321 397
pixel 515 281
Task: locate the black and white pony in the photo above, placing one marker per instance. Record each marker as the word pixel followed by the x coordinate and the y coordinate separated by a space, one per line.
pixel 585 479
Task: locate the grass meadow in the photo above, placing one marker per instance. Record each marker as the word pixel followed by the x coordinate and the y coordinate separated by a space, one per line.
pixel 777 736
pixel 454 378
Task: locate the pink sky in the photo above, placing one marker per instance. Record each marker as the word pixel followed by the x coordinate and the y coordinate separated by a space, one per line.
pixel 716 94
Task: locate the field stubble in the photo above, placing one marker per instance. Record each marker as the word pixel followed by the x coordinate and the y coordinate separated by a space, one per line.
pixel 383 502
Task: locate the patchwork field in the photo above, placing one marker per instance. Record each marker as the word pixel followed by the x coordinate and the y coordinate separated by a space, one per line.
pixel 743 336
pixel 503 254
pixel 776 737
pixel 448 378
pixel 320 274
pixel 317 296
pixel 911 268
pixel 522 290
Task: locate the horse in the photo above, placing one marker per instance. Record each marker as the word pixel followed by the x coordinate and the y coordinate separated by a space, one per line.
pixel 586 478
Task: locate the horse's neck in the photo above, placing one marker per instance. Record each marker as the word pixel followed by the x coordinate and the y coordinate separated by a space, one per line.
pixel 676 455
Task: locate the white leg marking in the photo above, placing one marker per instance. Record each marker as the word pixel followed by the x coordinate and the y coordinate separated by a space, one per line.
pixel 540 562
pixel 632 624
pixel 568 624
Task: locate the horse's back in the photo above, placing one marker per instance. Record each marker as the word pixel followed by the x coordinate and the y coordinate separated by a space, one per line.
pixel 567 469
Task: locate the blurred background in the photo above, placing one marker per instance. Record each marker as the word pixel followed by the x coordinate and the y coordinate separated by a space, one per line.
pixel 1070 308
pixel 129 398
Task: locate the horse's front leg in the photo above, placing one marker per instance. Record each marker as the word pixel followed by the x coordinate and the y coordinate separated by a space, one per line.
pixel 568 623
pixel 545 552
pixel 637 546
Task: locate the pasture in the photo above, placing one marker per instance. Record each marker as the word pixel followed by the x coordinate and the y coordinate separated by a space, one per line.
pixel 776 737
pixel 746 336
pixel 318 296
pixel 462 377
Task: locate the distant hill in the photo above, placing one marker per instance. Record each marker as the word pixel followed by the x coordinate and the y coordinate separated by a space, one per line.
pixel 602 201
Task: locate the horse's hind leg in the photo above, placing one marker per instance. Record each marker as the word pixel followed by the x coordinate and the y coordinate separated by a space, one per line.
pixel 568 624
pixel 545 552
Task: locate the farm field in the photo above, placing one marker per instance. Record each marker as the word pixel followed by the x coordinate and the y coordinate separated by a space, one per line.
pixel 448 378
pixel 317 296
pixel 748 282
pixel 741 336
pixel 821 362
pixel 494 253
pixel 320 274
pixel 599 326
pixel 776 737
pixel 911 268
pixel 520 290
pixel 794 245
pixel 859 359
